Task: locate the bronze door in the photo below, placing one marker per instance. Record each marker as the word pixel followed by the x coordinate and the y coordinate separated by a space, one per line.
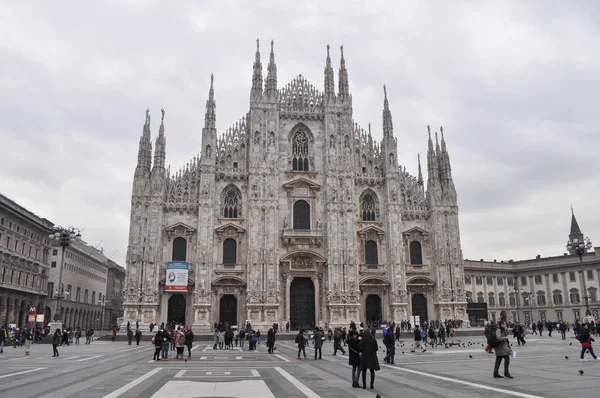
pixel 228 309
pixel 302 304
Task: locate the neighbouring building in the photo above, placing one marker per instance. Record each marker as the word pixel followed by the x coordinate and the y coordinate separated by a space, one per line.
pixel 113 305
pixel 24 254
pixel 85 285
pixel 546 289
pixel 294 214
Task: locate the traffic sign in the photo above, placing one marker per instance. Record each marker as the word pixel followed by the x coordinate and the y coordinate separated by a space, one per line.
pixel 32 309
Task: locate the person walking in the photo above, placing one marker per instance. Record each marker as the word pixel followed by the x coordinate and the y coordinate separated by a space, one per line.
pixel 337 342
pixel 586 343
pixel 3 337
pixel 77 336
pixel 270 341
pixel 301 341
pixel 129 336
pixel 157 340
pixel 29 341
pixel 499 340
pixel 353 356
pixel 318 338
pixel 417 339
pixel 55 342
pixel 388 341
pixel 138 336
pixel 189 341
pixel 166 339
pixel 368 346
pixel 563 330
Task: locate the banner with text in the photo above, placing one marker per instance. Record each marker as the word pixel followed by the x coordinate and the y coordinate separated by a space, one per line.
pixel 177 276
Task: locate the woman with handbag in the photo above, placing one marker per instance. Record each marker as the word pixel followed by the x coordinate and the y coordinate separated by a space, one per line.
pixel 353 356
pixel 368 347
pixel 586 343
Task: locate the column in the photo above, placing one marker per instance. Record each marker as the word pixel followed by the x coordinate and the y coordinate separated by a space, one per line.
pixel 315 281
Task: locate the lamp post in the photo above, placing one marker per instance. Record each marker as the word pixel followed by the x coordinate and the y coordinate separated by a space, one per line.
pixel 580 247
pixel 517 294
pixel 64 237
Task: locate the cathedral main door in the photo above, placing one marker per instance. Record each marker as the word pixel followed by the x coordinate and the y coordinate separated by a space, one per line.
pixel 228 309
pixel 373 306
pixel 302 304
pixel 419 307
pixel 176 309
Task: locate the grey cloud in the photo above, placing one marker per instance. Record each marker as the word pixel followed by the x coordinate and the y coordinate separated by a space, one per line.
pixel 514 84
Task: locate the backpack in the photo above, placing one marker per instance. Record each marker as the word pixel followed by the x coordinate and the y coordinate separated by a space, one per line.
pixel 493 340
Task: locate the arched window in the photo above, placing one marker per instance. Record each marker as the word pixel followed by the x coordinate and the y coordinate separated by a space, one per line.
pixel 502 300
pixel 574 296
pixel 467 279
pixel 179 249
pixel 480 298
pixel 300 152
pixel 371 257
pixel 557 297
pixel 416 255
pixel 229 251
pixel 509 281
pixel 230 204
pixel 512 300
pixel 491 300
pixel 500 281
pixel 541 298
pixel 478 280
pixel 301 215
pixel 368 208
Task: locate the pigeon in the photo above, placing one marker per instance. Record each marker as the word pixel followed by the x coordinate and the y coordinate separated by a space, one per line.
pixel 377 396
pixel 581 373
pixel 566 357
pixel 571 343
pixel 402 352
pixel 186 360
pixel 471 356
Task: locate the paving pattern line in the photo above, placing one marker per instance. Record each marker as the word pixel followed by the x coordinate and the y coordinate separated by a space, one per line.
pixel 132 384
pixel 305 390
pixel 466 383
pixel 87 359
pixel 21 372
pixel 282 357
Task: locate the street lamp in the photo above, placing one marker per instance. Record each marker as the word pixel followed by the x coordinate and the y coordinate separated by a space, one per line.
pixel 64 237
pixel 517 293
pixel 580 247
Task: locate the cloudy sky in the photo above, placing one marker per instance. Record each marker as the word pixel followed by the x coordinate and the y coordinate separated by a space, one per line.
pixel 515 85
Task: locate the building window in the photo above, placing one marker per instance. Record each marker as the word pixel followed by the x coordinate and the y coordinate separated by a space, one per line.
pixel 572 276
pixel 8 242
pixel 574 296
pixel 368 208
pixel 469 297
pixel 478 280
pixel 500 281
pixel 480 298
pixel 371 257
pixel 230 204
pixel 50 290
pixel 53 264
pixel 489 280
pixel 179 249
pixel 54 252
pixel 512 300
pixel 300 152
pixel 491 300
pixel 538 279
pixel 502 300
pixel 19 278
pixel 416 253
pixel 592 296
pixel 301 215
pixel 85 296
pixel 555 278
pixel 229 251
pixel 523 281
pixel 16 245
pixel 526 300
pixel 467 279
pixel 541 298
pixel 590 275
pixel 557 298
pixel 78 295
pixel 2 221
pixel 510 281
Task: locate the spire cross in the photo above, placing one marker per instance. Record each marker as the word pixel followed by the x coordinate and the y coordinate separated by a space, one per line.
pixel 163 115
pixel 342 50
pixel 272 43
pixel 257 44
pixel 328 50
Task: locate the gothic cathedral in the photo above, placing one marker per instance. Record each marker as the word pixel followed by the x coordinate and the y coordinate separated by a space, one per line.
pixel 293 214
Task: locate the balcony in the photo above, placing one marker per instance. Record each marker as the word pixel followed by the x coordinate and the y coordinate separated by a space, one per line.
pixel 368 269
pixel 307 237
pixel 230 269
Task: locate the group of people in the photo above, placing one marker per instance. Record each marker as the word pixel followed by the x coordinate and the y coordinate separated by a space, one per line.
pixel 177 339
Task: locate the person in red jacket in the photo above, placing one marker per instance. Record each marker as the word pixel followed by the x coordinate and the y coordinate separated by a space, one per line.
pixel 586 343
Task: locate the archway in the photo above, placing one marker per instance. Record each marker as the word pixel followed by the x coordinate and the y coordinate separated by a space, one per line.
pixel 419 307
pixel 21 319
pixel 503 315
pixel 176 311
pixel 302 304
pixel 47 315
pixel 373 309
pixel 228 309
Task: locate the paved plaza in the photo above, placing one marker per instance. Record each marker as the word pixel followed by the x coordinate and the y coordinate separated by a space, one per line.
pixel 111 370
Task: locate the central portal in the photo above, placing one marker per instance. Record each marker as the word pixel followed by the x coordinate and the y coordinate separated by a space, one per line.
pixel 302 304
pixel 373 305
pixel 176 311
pixel 228 309
pixel 419 307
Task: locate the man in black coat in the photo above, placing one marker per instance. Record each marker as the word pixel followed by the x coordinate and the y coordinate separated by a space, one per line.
pixel 388 340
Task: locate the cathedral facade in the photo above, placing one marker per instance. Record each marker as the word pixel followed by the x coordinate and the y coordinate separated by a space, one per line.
pixel 294 214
